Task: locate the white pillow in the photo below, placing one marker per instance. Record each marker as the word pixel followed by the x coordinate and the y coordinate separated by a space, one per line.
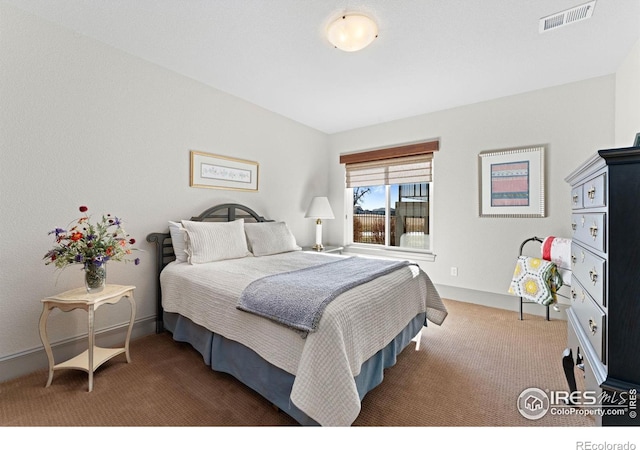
pixel 178 240
pixel 270 238
pixel 215 241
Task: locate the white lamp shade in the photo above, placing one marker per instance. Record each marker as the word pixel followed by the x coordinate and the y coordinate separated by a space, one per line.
pixel 319 208
pixel 352 32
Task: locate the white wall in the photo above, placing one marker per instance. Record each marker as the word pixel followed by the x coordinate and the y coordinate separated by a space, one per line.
pixel 573 121
pixel 85 124
pixel 628 98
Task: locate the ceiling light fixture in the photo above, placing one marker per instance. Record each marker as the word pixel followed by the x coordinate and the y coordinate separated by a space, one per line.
pixel 352 32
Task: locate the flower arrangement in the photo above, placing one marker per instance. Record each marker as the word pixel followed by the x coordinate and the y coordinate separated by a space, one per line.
pixel 91 244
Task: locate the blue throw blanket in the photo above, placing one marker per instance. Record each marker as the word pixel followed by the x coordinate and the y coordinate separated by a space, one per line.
pixel 298 298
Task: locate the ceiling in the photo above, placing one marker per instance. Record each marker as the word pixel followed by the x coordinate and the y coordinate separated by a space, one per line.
pixel 430 55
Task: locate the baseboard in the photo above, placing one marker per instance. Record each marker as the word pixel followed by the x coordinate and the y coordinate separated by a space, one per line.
pixel 502 301
pixel 30 361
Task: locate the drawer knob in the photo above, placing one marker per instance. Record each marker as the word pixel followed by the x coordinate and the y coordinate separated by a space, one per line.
pixel 593 231
pixel 573 258
pixel 591 193
pixel 574 226
pixel 575 199
pixel 592 326
pixel 573 294
pixel 593 275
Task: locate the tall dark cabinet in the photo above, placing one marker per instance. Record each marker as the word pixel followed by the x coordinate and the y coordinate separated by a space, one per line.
pixel 604 317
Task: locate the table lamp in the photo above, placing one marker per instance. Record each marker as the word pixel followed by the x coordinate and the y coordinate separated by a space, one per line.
pixel 319 209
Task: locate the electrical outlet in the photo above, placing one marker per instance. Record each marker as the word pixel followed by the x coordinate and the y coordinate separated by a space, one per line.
pixel 454 271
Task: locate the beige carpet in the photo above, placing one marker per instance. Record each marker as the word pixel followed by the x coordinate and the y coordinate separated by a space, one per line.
pixel 468 372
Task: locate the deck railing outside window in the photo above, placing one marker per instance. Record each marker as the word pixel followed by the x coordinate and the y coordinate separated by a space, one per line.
pixel 369 228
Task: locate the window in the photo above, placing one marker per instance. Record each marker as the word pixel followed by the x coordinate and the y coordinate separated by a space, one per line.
pixel 390 190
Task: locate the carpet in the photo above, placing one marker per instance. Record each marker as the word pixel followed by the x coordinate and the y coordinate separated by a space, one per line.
pixel 468 372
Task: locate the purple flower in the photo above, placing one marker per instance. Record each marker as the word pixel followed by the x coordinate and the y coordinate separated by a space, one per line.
pixel 136 261
pixel 78 258
pixel 57 231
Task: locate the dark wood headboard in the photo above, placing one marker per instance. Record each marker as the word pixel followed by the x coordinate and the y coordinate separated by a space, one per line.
pixel 227 212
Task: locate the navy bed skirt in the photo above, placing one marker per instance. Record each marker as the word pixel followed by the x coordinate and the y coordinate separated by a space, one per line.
pixel 273 383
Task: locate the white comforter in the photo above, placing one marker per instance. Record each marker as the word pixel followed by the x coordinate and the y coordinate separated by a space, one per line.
pixel 353 327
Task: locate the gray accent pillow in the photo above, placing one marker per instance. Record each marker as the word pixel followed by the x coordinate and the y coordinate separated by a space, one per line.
pixel 270 238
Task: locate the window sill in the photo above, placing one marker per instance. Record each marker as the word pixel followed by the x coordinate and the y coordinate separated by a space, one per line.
pixel 389 253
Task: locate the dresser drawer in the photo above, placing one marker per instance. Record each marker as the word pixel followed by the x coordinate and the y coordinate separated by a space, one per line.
pixel 588 228
pixel 594 193
pixel 591 318
pixel 576 197
pixel 581 358
pixel 590 271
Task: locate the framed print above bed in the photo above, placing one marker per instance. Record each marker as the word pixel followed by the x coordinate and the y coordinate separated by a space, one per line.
pixel 222 172
pixel 511 182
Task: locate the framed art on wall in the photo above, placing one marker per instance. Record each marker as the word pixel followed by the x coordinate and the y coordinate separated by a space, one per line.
pixel 222 172
pixel 511 182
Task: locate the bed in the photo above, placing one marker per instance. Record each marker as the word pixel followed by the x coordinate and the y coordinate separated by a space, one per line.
pixel 317 370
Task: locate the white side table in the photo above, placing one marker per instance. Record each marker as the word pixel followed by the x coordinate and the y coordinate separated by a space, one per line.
pixel 327 249
pixel 94 356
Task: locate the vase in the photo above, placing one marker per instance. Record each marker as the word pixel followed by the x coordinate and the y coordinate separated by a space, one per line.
pixel 95 277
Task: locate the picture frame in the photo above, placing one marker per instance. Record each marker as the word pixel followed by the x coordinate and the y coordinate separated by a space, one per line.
pixel 512 182
pixel 636 142
pixel 222 172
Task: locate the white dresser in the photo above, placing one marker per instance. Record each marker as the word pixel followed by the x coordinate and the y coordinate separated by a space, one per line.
pixel 604 317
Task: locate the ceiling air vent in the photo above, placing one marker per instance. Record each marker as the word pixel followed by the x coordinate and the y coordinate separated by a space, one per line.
pixel 563 18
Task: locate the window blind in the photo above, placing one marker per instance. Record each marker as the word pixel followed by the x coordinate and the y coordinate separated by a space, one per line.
pixel 403 170
pixel 406 164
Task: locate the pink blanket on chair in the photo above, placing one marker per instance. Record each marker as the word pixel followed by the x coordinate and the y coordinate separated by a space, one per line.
pixel 558 251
